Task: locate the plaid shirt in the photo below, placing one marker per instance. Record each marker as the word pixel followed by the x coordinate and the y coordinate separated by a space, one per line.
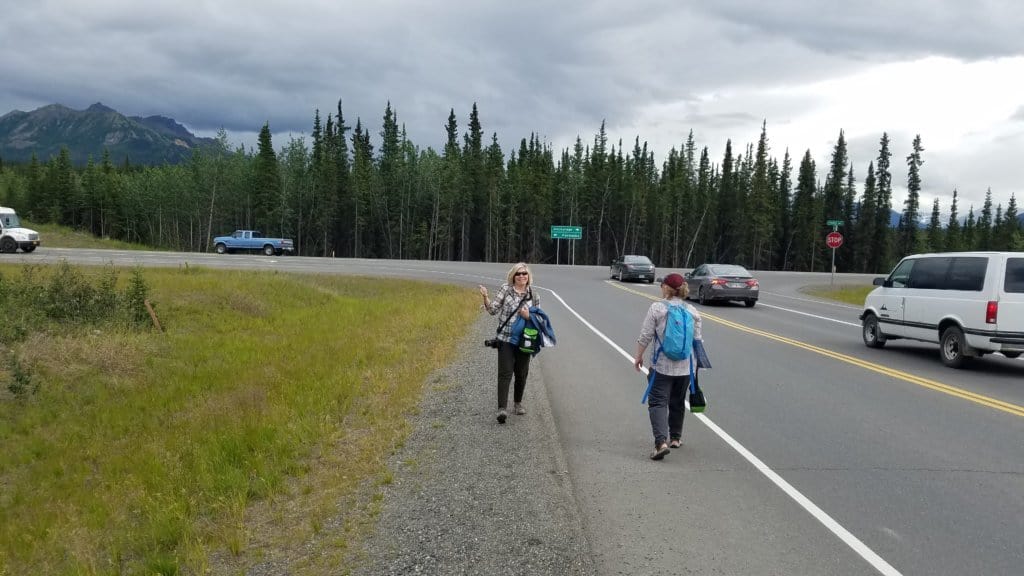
pixel 505 304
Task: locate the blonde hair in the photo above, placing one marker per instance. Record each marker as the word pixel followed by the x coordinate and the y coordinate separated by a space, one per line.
pixel 511 277
pixel 682 292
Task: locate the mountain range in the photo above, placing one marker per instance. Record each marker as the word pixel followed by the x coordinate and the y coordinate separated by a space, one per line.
pixel 87 133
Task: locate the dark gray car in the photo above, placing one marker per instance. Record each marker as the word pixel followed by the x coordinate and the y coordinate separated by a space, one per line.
pixel 722 282
pixel 633 267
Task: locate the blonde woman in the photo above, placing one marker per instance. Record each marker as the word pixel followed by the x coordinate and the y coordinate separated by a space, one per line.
pixel 514 297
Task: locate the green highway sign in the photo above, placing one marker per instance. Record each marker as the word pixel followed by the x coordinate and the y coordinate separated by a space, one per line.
pixel 566 232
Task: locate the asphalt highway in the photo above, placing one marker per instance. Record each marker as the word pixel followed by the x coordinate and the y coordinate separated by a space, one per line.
pixel 816 455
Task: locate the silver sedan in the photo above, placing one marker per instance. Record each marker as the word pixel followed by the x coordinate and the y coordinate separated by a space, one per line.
pixel 723 282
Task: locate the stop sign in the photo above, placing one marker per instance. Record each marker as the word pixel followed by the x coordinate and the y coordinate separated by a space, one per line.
pixel 834 240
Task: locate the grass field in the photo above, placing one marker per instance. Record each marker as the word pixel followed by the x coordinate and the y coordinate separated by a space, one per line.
pixel 264 407
pixel 55 236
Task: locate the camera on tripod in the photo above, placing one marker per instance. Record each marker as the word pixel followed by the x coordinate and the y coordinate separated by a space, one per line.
pixel 492 343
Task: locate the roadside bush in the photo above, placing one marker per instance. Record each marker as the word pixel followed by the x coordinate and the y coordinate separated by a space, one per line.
pixel 69 298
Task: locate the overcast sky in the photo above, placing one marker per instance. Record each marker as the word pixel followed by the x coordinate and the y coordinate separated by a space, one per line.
pixel 951 71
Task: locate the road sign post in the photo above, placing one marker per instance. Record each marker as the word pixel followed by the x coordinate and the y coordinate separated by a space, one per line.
pixel 566 233
pixel 834 240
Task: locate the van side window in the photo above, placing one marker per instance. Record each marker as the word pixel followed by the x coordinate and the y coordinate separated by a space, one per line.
pixel 967 274
pixel 929 273
pixel 1014 275
pixel 900 277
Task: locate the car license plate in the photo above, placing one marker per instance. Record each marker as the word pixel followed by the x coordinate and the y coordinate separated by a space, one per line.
pixel 736 284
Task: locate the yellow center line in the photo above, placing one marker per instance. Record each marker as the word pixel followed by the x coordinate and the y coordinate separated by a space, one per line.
pixel 990 402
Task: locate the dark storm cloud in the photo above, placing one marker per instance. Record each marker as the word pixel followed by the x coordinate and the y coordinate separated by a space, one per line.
pixel 654 69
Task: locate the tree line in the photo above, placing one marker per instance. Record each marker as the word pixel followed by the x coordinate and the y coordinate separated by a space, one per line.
pixel 346 192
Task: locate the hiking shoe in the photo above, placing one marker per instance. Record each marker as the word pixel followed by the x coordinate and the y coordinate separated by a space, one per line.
pixel 660 452
pixel 519 409
pixel 502 414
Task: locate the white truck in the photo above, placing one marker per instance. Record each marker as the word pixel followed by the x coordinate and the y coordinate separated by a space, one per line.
pixel 13 236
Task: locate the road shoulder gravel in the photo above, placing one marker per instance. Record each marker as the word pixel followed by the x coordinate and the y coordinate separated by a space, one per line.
pixel 472 496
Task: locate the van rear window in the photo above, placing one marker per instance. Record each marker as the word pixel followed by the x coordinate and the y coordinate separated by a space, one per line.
pixel 949 273
pixel 967 273
pixel 1014 275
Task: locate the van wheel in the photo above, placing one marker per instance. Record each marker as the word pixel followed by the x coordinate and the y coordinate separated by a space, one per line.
pixel 951 347
pixel 873 337
pixel 8 245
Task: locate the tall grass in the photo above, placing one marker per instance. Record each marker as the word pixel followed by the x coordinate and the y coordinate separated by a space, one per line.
pixel 851 294
pixel 268 395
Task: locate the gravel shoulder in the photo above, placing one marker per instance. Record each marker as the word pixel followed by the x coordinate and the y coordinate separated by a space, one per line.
pixel 471 496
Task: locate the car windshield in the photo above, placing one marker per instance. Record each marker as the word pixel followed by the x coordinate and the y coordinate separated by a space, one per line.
pixel 11 221
pixel 729 271
pixel 636 260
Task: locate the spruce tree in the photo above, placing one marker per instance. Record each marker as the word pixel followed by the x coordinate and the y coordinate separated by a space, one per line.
pixel 954 235
pixel 473 194
pixel 759 207
pixel 386 195
pixel 834 192
pixel 728 209
pixel 911 206
pixel 783 222
pixel 983 229
pixel 805 217
pixel 343 222
pixel 1008 227
pixel 867 220
pixel 970 236
pixel 266 185
pixel 881 258
pixel 934 238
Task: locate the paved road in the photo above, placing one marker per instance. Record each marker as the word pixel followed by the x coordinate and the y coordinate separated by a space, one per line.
pixel 817 455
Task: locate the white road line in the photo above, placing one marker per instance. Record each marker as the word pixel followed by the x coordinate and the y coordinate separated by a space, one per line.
pixel 876 561
pixel 808 314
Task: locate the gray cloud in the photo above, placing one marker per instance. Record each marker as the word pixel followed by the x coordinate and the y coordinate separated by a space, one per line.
pixel 878 28
pixel 653 69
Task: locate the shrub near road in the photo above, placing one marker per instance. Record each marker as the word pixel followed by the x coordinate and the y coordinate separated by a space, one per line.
pixel 128 451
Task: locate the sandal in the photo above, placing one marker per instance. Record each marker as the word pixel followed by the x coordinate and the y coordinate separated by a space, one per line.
pixel 675 443
pixel 660 452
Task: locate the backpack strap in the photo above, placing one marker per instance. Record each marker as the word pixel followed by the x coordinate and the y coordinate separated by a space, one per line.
pixel 657 351
pixel 514 312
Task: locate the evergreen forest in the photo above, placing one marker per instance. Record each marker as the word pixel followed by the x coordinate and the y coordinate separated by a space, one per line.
pixel 351 191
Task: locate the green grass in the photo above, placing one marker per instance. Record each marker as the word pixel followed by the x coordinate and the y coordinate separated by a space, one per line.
pixel 851 294
pixel 240 432
pixel 56 236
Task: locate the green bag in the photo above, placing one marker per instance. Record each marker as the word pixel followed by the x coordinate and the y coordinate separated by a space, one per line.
pixel 530 341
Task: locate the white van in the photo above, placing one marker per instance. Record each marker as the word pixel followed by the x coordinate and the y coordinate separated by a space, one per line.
pixel 970 303
pixel 13 236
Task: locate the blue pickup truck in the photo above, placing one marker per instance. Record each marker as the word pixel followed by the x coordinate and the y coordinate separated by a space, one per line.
pixel 252 241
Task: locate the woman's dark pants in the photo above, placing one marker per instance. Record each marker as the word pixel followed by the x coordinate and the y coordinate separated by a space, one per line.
pixel 666 408
pixel 511 362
